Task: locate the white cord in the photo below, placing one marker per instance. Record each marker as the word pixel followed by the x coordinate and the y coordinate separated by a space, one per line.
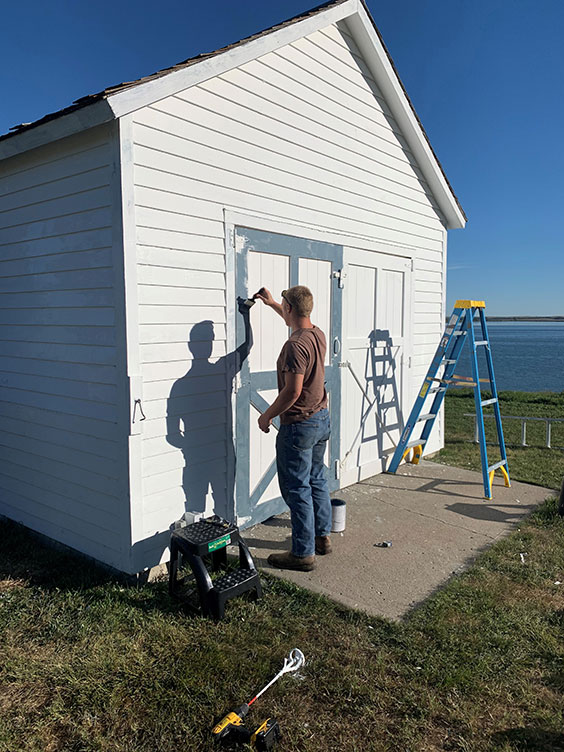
pixel 293 662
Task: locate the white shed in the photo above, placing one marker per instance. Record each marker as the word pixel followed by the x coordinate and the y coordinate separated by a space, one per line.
pixel 132 220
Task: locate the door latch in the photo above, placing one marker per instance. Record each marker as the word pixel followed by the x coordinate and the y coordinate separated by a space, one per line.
pixel 340 274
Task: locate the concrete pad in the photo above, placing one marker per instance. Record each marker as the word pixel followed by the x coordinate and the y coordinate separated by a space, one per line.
pixel 435 517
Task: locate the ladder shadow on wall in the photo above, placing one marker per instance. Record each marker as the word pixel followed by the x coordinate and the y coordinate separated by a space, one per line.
pixel 381 398
pixel 385 374
pixel 199 422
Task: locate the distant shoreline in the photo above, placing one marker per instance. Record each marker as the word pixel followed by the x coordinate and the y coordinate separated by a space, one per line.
pixel 539 319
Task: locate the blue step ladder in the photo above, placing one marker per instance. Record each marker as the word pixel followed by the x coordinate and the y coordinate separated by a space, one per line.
pixel 459 329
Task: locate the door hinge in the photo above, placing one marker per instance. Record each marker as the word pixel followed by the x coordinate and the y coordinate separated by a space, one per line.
pixel 337 469
pixel 340 274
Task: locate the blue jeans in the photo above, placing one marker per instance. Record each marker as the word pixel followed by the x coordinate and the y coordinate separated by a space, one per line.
pixel 302 479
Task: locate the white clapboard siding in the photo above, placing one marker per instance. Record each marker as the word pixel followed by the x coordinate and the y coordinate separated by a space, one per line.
pixel 302 135
pixel 181 259
pixel 103 449
pixel 326 147
pixel 156 427
pixel 75 425
pixel 61 462
pixel 177 351
pixel 296 156
pixel 155 390
pixel 183 314
pixel 72 242
pixel 95 541
pixel 332 204
pixel 171 333
pixel 203 436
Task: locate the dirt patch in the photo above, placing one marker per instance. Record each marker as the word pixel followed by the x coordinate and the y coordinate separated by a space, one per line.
pixel 25 697
pixel 11 584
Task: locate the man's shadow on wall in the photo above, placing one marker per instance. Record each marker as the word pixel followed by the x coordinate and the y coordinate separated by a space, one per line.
pixel 199 420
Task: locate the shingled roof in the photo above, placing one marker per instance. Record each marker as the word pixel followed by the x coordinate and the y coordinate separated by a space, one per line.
pixel 110 91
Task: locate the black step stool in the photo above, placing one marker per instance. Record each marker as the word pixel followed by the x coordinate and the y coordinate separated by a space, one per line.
pixel 209 538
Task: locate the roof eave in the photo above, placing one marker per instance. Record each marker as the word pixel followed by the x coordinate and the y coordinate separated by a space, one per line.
pixel 126 99
pixel 80 118
pixel 133 98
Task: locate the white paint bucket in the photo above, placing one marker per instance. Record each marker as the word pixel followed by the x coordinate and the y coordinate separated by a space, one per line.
pixel 339 512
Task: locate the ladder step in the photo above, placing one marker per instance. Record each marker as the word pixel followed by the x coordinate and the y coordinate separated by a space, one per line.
pixel 426 417
pixel 237 578
pixel 489 402
pixel 482 342
pixel 497 464
pixel 449 361
pixel 415 442
pixel 437 389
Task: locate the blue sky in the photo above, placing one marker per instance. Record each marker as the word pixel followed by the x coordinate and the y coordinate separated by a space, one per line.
pixel 486 78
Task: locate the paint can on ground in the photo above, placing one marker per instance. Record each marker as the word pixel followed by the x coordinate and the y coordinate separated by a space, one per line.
pixel 339 513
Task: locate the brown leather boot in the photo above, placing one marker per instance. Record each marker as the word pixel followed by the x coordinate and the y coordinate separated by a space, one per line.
pixel 323 545
pixel 287 560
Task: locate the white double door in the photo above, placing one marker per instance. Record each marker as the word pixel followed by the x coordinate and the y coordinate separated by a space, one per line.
pixel 277 262
pixel 375 360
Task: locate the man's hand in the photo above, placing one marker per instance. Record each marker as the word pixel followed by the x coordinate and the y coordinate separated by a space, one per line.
pixel 264 295
pixel 264 423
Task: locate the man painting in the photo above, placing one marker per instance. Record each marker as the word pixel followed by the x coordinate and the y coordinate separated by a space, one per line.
pixel 304 430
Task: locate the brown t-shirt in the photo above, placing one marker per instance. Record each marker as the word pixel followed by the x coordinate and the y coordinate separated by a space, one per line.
pixel 304 352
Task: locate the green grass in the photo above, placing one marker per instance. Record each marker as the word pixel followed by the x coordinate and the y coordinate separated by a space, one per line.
pixel 532 464
pixel 91 665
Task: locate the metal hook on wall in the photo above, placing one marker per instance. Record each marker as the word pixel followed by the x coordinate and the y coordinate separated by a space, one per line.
pixel 143 416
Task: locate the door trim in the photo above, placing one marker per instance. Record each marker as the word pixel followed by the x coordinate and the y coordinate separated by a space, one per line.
pixel 268 241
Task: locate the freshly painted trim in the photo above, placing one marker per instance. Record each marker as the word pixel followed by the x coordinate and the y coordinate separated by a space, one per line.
pixel 267 223
pixel 132 99
pixel 374 53
pixel 122 408
pixel 296 246
pixel 231 344
pixel 59 127
pixel 128 321
pixel 441 416
pixel 130 263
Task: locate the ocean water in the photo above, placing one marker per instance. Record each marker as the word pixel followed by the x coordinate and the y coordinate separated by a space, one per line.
pixel 527 356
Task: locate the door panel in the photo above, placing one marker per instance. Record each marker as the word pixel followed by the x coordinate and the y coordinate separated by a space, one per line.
pixel 272 271
pixel 316 275
pixel 263 481
pixel 278 262
pixel 376 305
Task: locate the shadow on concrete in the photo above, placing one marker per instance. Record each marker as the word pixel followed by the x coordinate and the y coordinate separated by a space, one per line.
pixel 492 512
pixel 267 544
pixel 441 487
pixel 278 522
